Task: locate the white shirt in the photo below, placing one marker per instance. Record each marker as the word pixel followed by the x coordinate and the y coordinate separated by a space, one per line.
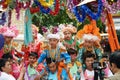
pixel 5 76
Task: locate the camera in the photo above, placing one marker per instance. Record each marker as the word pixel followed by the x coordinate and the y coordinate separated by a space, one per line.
pixel 98 66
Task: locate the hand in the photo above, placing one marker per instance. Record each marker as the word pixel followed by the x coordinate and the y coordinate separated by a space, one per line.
pixel 37 77
pixel 80 70
pixel 23 69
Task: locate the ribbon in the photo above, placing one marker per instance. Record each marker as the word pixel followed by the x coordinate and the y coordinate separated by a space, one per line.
pixel 43 10
pixel 57 8
pixel 86 11
pixel 46 4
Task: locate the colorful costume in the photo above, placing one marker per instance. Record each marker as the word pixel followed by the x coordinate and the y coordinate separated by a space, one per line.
pixel 74 70
pixel 59 54
pixel 31 73
pixel 72 42
pixel 8 32
pixel 90 33
pixel 35 46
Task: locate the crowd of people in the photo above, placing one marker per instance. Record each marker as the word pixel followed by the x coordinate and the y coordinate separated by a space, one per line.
pixel 78 56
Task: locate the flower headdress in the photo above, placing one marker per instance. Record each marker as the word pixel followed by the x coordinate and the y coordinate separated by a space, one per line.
pixel 51 32
pixel 11 31
pixel 89 29
pixel 70 28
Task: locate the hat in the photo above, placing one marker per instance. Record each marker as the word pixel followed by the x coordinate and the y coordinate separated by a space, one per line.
pixel 55 36
pixel 90 37
pixel 1 41
pixel 85 2
pixel 9 31
pixel 70 28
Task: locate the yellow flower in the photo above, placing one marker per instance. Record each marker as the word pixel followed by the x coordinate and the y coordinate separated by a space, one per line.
pixel 46 4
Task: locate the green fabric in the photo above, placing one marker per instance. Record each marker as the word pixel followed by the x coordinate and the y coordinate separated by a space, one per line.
pixel 31 70
pixel 73 69
pixel 71 41
pixel 28 30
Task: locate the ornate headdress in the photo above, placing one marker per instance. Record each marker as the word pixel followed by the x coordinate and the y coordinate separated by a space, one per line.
pixel 11 31
pixel 89 29
pixel 70 28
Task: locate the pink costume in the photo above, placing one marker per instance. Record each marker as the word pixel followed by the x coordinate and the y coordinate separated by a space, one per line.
pixel 9 32
pixel 34 46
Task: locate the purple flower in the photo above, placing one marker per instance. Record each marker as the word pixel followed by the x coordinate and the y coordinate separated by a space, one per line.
pixel 44 29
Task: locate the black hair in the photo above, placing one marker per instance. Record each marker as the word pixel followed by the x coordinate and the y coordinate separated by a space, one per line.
pixel 49 60
pixel 33 54
pixel 2 63
pixel 115 58
pixel 105 56
pixel 7 56
pixel 88 54
pixel 71 51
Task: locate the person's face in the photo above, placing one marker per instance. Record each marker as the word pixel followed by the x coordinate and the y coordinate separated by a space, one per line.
pixel 67 35
pixel 10 60
pixel 88 43
pixel 73 57
pixel 8 39
pixel 32 60
pixel 105 60
pixel 113 67
pixel 89 62
pixel 7 68
pixel 34 33
pixel 52 67
pixel 53 41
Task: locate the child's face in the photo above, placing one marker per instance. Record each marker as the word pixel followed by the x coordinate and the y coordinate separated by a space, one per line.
pixel 105 60
pixel 89 62
pixel 32 60
pixel 8 39
pixel 52 67
pixel 67 35
pixel 34 33
pixel 88 43
pixel 53 41
pixel 7 68
pixel 73 57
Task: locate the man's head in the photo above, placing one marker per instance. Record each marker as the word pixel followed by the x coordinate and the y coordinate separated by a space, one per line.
pixel 33 57
pixel 115 61
pixel 5 66
pixel 51 65
pixel 73 53
pixel 9 57
pixel 105 58
pixel 88 59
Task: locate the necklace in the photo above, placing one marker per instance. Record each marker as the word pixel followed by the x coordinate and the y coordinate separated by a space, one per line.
pixel 54 53
pixel 7 48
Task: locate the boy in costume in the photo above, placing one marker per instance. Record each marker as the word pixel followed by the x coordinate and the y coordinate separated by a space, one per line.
pixel 90 40
pixel 53 71
pixel 54 51
pixel 69 41
pixel 9 33
pixel 34 46
pixel 76 67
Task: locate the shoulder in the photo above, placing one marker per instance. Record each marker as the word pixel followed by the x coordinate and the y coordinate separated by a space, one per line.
pixel 115 77
pixel 78 63
pixel 46 47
